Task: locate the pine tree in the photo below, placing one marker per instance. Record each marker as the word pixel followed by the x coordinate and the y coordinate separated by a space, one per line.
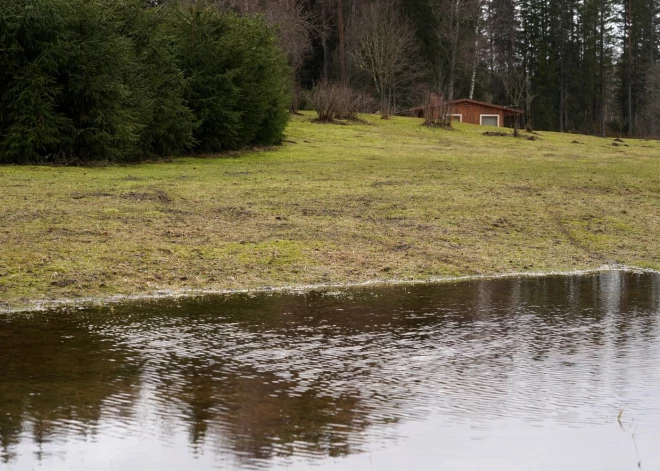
pixel 240 97
pixel 114 80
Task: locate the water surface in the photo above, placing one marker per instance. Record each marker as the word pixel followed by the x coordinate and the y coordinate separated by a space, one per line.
pixel 500 375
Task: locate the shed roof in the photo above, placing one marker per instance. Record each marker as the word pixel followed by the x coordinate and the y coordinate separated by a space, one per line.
pixel 489 105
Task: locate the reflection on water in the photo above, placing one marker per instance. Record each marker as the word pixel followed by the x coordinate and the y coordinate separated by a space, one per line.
pixel 519 373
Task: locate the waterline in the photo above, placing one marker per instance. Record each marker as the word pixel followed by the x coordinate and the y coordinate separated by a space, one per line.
pixel 86 302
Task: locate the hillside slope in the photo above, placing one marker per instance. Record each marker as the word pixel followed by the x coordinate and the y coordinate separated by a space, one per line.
pixel 334 204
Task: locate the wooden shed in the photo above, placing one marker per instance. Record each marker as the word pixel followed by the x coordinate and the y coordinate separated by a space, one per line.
pixel 478 112
pixel 470 111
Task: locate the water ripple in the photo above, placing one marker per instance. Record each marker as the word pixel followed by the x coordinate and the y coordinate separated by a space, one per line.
pixel 273 381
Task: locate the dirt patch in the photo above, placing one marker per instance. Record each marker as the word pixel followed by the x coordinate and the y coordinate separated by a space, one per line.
pixel 156 195
pixel 402 247
pixel 384 183
pixel 235 212
pixel 93 194
pixel 501 222
pixel 446 127
pixel 529 137
pixel 321 211
pixel 328 121
pixel 63 283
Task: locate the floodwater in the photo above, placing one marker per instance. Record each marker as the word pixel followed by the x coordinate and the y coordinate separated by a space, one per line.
pixel 509 374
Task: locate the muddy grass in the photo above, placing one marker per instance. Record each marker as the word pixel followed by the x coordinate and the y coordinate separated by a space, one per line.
pixel 337 204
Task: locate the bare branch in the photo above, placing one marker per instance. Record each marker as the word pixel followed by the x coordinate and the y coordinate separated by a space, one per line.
pixel 382 45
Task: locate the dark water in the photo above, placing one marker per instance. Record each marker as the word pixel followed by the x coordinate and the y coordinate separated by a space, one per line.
pixel 485 375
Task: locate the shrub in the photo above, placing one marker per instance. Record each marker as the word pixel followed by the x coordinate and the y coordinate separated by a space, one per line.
pixel 30 58
pixel 324 101
pixel 113 80
pixel 333 101
pixel 169 122
pixel 352 102
pixel 237 79
pixel 102 95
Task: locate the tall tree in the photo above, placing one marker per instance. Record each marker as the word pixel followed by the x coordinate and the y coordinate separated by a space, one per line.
pixel 342 42
pixel 454 30
pixel 294 22
pixel 384 48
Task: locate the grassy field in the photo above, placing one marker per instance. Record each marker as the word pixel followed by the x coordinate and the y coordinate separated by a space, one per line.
pixel 335 204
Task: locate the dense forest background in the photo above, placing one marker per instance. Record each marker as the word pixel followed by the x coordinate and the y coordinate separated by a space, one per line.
pixel 590 66
pixel 120 80
pixel 115 80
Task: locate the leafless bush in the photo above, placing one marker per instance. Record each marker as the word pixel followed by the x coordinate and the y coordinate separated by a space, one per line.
pixel 324 101
pixel 517 86
pixel 335 101
pixel 352 102
pixel 382 46
pixel 436 110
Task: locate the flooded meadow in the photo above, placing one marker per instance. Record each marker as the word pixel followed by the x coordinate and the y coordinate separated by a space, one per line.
pixel 558 372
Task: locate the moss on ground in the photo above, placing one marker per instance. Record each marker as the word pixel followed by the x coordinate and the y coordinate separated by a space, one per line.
pixel 334 204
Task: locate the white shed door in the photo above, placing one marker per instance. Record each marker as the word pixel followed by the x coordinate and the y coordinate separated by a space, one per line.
pixel 489 120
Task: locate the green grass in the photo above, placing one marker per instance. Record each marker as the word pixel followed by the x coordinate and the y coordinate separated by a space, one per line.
pixel 335 204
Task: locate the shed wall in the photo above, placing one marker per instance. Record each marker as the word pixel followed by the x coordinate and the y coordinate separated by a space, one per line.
pixel 472 112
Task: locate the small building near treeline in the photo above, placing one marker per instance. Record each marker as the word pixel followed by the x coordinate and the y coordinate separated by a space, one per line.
pixel 465 110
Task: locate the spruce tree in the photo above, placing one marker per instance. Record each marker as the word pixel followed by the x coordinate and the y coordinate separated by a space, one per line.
pixel 116 80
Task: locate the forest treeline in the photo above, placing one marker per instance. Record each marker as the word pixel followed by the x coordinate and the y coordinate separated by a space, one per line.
pixel 118 80
pixel 589 66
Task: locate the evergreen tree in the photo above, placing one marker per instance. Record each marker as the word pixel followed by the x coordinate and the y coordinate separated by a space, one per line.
pixel 30 58
pixel 169 122
pixel 240 97
pixel 114 80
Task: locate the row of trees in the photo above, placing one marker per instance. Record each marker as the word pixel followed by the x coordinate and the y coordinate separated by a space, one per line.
pixel 127 79
pixel 119 80
pixel 573 65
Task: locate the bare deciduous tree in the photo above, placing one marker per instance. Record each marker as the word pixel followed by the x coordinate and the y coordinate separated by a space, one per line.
pixel 436 110
pixel 516 84
pixel 652 101
pixel 382 45
pixel 294 23
pixel 452 16
pixel 324 29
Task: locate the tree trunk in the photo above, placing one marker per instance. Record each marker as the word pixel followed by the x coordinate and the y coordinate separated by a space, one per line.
pixel 475 62
pixel 450 85
pixel 630 116
pixel 603 131
pixel 561 95
pixel 516 125
pixel 385 107
pixel 326 59
pixel 455 23
pixel 296 96
pixel 342 48
pixel 529 123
